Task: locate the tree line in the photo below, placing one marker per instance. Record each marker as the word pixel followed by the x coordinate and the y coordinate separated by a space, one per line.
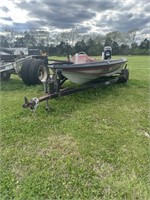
pixel 65 43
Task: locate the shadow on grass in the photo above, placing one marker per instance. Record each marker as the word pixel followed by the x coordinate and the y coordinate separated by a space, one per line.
pixel 65 105
pixel 15 84
pixel 11 85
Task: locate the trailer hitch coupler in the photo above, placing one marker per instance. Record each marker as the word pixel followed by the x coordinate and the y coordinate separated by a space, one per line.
pixel 32 105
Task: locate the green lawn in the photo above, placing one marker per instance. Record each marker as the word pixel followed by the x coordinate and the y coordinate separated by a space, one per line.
pixel 93 145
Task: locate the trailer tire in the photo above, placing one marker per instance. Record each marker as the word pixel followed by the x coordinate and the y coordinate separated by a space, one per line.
pixel 25 71
pixel 4 76
pixel 38 72
pixel 124 76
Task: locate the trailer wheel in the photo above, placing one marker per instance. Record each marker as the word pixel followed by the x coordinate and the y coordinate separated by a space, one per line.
pixel 24 71
pixel 38 72
pixel 4 76
pixel 124 76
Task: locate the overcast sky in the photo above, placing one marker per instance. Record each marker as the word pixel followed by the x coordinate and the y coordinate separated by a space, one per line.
pixel 100 16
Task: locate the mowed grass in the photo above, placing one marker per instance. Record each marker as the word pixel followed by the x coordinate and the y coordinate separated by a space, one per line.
pixel 92 145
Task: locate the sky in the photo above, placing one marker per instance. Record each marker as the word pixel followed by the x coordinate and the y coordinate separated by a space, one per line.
pixel 101 16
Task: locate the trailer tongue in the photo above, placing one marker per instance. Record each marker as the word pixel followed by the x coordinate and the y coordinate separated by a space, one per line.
pixel 53 90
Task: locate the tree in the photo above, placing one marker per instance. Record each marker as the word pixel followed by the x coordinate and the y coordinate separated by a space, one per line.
pixel 124 49
pixel 3 41
pixel 73 36
pixel 108 41
pixel 132 35
pixel 29 40
pixel 115 36
pixel 80 46
pixel 20 42
pixel 145 44
pixel 115 48
pixel 145 47
pixel 134 50
pixel 70 42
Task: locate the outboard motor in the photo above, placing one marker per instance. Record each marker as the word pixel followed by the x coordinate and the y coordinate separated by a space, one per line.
pixel 107 52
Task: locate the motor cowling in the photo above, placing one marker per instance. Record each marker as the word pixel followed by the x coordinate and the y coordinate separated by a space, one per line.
pixel 107 52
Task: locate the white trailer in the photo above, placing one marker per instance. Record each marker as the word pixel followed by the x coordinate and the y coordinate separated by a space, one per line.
pixel 31 69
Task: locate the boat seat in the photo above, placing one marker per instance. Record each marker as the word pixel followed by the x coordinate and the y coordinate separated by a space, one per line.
pixel 82 58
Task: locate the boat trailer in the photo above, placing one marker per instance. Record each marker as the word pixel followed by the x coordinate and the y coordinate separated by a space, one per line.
pixel 53 89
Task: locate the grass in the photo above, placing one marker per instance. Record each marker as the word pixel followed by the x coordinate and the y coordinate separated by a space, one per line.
pixel 93 145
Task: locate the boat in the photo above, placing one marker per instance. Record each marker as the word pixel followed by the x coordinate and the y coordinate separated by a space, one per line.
pixel 82 69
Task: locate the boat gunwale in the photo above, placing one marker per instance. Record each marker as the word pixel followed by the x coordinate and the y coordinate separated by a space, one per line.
pixel 99 64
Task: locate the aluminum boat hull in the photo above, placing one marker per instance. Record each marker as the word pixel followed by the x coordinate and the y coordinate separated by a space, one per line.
pixel 86 72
